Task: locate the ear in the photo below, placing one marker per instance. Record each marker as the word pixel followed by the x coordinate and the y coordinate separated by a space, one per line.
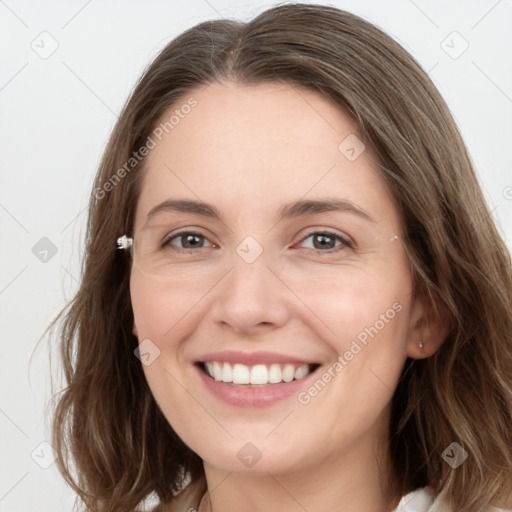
pixel 134 330
pixel 428 327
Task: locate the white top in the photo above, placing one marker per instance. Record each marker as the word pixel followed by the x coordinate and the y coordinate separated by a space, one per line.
pixel 422 500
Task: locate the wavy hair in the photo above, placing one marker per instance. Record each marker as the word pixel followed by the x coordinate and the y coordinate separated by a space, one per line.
pixel 113 443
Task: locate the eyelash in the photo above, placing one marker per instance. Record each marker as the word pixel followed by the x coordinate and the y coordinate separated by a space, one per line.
pixel 346 244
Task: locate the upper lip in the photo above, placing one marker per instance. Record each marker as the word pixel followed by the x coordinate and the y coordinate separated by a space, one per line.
pixel 251 358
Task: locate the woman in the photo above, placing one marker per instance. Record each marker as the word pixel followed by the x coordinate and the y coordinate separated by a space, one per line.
pixel 309 306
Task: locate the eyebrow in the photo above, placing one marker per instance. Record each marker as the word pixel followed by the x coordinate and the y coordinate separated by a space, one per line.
pixel 288 211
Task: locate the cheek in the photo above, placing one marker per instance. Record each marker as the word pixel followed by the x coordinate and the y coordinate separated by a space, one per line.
pixel 364 318
pixel 160 308
pixel 157 311
pixel 160 313
pixel 369 314
pixel 353 303
pixel 165 314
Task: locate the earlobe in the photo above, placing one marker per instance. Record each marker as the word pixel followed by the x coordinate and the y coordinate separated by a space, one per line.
pixel 134 330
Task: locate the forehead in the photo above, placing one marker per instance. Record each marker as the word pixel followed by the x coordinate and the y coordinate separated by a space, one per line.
pixel 257 146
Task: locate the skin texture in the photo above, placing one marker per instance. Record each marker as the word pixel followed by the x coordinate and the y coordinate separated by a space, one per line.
pixel 248 150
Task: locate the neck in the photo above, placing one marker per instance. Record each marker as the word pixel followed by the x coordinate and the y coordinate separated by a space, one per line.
pixel 354 480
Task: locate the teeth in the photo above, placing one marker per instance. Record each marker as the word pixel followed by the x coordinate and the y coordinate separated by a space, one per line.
pixel 301 371
pixel 227 373
pixel 258 374
pixel 288 373
pixel 209 369
pixel 217 371
pixel 274 374
pixel 240 373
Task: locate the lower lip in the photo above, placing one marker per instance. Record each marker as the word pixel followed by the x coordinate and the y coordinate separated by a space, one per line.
pixel 260 396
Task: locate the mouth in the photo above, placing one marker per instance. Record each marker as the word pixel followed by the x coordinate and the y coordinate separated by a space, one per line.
pixel 258 375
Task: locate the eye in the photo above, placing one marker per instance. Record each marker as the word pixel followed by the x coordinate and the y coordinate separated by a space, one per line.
pixel 322 241
pixel 189 241
pixel 327 241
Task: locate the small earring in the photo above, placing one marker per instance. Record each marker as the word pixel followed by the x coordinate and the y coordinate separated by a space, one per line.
pixel 421 343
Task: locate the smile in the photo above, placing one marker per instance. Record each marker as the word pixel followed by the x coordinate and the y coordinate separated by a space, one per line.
pixel 256 375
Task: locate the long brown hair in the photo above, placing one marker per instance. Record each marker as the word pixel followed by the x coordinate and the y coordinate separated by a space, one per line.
pixel 113 443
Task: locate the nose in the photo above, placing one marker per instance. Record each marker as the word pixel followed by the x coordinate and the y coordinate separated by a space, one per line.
pixel 251 298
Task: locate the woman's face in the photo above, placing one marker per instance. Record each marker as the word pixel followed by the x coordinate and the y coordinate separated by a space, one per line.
pixel 278 284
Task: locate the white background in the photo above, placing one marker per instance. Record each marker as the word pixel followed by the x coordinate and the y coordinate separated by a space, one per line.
pixel 56 115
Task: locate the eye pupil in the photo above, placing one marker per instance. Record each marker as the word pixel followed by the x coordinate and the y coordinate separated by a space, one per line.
pixel 322 238
pixel 188 241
